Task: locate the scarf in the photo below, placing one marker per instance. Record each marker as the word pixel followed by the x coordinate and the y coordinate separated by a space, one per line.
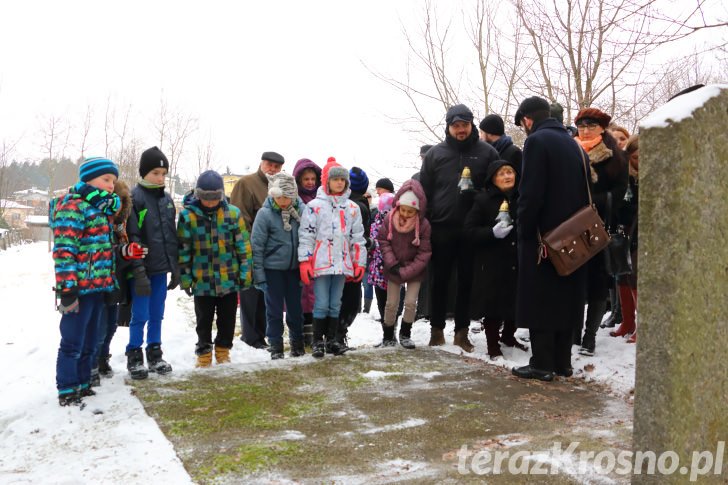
pixel 404 226
pixel 287 213
pixel 589 144
pixel 106 202
pixel 150 185
pixel 307 194
pixel 502 143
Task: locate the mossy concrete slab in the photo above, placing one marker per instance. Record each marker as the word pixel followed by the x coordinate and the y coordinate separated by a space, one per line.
pixel 377 416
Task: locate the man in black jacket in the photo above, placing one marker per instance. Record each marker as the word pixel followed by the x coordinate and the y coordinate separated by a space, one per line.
pixel 441 172
pixel 492 130
pixel 553 186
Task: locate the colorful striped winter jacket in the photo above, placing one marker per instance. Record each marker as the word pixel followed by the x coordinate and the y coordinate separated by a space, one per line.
pixel 215 257
pixel 82 247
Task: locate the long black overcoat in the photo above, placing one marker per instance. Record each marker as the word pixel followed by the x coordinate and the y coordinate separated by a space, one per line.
pixel 553 187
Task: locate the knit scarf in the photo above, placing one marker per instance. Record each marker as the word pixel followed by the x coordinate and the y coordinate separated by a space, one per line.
pixel 287 213
pixel 106 202
pixel 404 226
pixel 502 143
pixel 307 193
pixel 589 144
pixel 150 185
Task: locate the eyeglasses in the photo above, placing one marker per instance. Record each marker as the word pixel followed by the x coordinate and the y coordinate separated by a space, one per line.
pixel 587 126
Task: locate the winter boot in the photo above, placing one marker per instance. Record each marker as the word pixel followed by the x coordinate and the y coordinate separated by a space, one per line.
pixel 84 390
pixel 95 379
pixel 155 361
pixel 388 339
pixel 318 328
pixel 135 364
pixel 105 369
pixel 367 305
pixel 342 339
pixel 69 397
pixel 508 336
pixel 204 360
pixel 297 348
pixel 633 338
pixel 308 329
pixel 405 335
pixel 222 355
pixel 461 340
pixel 491 329
pixel 276 351
pixel 616 316
pixel 333 346
pixel 437 337
pixel 628 304
pixel 594 314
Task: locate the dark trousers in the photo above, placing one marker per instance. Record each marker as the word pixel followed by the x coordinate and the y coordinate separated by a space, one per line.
pixel 78 342
pixel 350 303
pixel 551 350
pixel 205 309
pixel 107 329
pixel 252 317
pixel 283 287
pixel 451 250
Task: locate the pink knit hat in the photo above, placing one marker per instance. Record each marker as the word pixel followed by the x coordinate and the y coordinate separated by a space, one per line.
pixel 385 202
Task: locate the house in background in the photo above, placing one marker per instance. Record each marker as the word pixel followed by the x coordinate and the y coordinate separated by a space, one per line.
pixel 229 181
pixel 15 213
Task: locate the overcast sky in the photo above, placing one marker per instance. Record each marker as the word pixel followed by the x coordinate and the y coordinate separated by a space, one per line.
pixel 286 76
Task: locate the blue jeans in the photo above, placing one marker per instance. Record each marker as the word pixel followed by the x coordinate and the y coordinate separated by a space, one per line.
pixel 78 342
pixel 283 286
pixel 149 311
pixel 368 289
pixel 328 290
pixel 107 328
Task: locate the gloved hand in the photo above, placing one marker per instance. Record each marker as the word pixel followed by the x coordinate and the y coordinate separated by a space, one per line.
pixel 358 273
pixel 174 281
pixel 190 291
pixel 501 230
pixel 262 286
pixel 306 270
pixel 69 303
pixel 133 250
pixel 395 269
pixel 142 285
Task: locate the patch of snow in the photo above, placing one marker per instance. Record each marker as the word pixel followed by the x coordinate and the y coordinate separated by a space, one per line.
pixel 410 423
pixel 377 374
pixel 292 434
pixel 681 107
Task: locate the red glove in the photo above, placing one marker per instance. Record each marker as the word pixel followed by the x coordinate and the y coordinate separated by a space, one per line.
pixel 133 251
pixel 358 273
pixel 306 270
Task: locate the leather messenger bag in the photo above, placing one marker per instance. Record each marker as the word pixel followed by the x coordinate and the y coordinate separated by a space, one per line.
pixel 576 240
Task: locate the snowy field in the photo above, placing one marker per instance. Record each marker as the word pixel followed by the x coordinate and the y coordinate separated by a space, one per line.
pixel 113 440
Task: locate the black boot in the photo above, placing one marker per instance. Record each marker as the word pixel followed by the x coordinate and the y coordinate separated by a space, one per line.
pixel 276 351
pixel 69 397
pixel 135 364
pixel 508 336
pixel 307 329
pixel 491 329
pixel 594 314
pixel 95 379
pixel 615 317
pixel 367 305
pixel 332 345
pixel 105 369
pixel 405 335
pixel 297 348
pixel 155 361
pixel 388 339
pixel 319 328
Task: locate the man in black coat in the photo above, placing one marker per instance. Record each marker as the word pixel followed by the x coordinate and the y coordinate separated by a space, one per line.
pixel 553 187
pixel 447 207
pixel 492 130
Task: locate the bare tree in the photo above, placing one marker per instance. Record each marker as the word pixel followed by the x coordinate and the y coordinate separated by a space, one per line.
pixel 85 130
pixel 205 154
pixel 7 149
pixel 55 132
pixel 174 128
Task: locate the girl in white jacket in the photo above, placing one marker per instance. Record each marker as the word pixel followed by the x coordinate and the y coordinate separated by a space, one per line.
pixel 331 249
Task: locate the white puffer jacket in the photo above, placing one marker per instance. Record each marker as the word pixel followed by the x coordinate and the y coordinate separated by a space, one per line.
pixel 331 232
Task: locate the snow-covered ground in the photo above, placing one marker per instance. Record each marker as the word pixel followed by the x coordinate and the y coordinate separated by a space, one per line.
pixel 113 440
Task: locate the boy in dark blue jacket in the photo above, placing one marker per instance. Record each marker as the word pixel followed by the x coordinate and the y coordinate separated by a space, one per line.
pixel 151 223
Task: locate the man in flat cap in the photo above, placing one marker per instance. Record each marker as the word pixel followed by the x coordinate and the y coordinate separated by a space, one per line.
pixel 248 195
pixel 553 186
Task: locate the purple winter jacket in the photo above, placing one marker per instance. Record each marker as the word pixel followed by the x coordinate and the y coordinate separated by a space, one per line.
pixel 400 249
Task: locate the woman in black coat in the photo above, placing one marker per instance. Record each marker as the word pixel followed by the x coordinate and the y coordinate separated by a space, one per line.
pixel 496 262
pixel 608 170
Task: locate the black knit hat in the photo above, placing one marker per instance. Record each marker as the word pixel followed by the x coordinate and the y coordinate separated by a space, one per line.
pixel 273 157
pixel 531 105
pixel 386 184
pixel 424 149
pixel 152 158
pixel 359 179
pixel 459 112
pixel 557 111
pixel 493 124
